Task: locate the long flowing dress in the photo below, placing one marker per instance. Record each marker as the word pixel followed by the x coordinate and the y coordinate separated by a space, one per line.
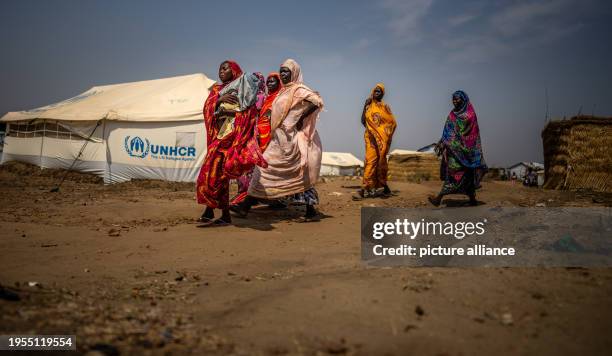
pixel 293 154
pixel 380 126
pixel 263 135
pixel 463 165
pixel 232 147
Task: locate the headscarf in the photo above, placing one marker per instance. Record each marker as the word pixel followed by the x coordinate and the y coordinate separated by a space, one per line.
pixel 464 97
pixel 461 134
pixel 292 93
pixel 267 104
pixel 234 67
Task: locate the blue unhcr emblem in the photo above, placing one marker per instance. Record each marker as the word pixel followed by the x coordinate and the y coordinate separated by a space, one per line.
pixel 136 147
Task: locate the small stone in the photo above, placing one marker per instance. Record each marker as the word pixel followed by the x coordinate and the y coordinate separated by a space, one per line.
pixel 409 327
pixel 114 232
pixel 506 319
pixel 419 310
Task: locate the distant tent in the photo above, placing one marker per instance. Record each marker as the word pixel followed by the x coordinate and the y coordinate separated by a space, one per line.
pixel 142 130
pixel 399 151
pixel 340 164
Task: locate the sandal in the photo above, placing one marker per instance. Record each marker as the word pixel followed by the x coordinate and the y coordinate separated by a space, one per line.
pixel 434 200
pixel 308 219
pixel 236 209
pixel 216 223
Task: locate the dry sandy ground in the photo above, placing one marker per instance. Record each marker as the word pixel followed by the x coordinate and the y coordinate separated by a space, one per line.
pixel 125 269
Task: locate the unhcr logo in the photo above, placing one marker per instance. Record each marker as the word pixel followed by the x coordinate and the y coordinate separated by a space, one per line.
pixel 136 147
pixel 139 148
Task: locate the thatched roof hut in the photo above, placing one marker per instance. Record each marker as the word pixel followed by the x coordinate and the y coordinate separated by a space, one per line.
pixel 578 153
pixel 413 166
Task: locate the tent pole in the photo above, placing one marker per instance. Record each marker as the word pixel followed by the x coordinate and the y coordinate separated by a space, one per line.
pixel 42 143
pixel 105 138
pixel 56 189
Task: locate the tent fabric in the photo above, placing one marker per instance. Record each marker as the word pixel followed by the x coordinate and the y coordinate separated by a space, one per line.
pixel 145 130
pixel 340 159
pixel 398 151
pixel 171 151
pixel 169 99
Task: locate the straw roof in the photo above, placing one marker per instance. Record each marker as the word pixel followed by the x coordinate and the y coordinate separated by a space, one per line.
pixel 578 153
pixel 413 166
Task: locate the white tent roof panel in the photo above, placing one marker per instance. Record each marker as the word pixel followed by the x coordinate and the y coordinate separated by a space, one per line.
pixel 170 99
pixel 340 159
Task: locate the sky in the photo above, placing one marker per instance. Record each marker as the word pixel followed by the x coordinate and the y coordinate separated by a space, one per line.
pixel 509 56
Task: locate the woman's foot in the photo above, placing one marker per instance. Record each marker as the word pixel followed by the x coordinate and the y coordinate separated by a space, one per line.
pixel 311 214
pixel 435 200
pixel 473 201
pixel 207 216
pixel 360 195
pixel 386 191
pixel 221 222
pixel 242 209
pixel 239 210
pixel 226 217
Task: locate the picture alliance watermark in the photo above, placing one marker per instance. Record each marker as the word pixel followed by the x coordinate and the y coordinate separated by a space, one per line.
pixel 483 236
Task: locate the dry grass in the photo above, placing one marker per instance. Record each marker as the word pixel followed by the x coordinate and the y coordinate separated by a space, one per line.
pixel 578 154
pixel 414 167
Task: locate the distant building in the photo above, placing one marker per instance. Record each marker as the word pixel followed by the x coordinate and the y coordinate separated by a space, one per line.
pixel 521 168
pixel 340 164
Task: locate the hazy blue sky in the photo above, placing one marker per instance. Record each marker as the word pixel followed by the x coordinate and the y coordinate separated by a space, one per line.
pixel 502 53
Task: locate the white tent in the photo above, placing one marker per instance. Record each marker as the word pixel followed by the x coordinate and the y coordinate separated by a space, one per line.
pixel 340 164
pixel 399 151
pixel 149 130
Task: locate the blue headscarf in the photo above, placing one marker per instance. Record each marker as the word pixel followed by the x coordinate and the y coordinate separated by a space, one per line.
pixel 463 96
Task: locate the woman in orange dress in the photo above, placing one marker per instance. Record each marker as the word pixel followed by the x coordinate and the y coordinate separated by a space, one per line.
pixel 379 125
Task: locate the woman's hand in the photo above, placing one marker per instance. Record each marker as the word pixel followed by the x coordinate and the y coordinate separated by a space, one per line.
pixel 229 98
pixel 439 148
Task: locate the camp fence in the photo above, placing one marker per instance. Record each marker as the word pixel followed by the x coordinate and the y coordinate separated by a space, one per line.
pixel 578 154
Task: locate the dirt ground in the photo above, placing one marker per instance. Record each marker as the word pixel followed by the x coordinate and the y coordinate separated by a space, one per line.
pixel 127 270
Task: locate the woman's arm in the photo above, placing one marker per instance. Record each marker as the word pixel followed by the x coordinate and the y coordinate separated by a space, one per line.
pixel 310 108
pixel 230 98
pixel 363 113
